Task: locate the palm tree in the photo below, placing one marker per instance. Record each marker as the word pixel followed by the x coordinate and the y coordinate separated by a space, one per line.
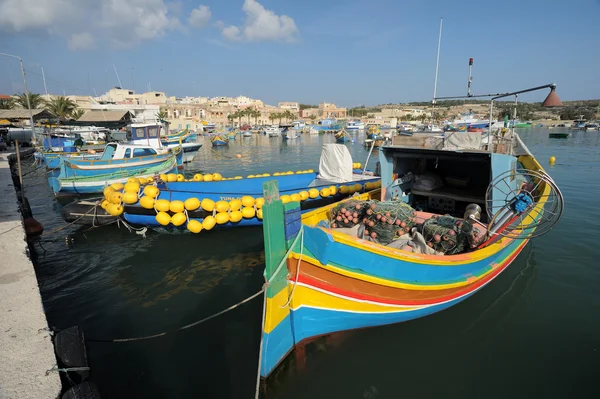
pixel 61 107
pixel 288 115
pixel 230 118
pixel 272 116
pixel 238 114
pixel 256 114
pixel 77 113
pixel 161 115
pixel 36 101
pixel 7 103
pixel 312 117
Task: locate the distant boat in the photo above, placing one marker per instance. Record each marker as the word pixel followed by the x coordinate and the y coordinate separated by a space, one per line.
pixel 343 137
pixel 355 125
pixel 217 141
pixel 273 131
pixel 328 125
pixel 469 119
pixel 562 135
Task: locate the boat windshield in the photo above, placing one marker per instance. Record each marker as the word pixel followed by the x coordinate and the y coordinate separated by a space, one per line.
pixel 109 151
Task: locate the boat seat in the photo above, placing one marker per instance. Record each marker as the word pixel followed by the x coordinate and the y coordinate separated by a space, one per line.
pixel 421 217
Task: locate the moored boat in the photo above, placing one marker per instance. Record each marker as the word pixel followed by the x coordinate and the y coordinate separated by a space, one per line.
pixel 218 141
pixel 449 236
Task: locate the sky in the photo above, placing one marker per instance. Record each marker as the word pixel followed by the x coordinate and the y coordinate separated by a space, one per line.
pixel 351 52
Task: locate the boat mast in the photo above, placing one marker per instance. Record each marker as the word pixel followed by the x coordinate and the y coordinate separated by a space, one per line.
pixel 118 80
pixel 437 66
pixel 470 77
pixel 44 78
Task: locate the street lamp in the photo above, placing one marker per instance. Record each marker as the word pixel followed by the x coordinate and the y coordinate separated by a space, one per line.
pixel 26 93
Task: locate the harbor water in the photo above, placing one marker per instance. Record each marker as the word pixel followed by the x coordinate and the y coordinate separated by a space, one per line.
pixel 533 332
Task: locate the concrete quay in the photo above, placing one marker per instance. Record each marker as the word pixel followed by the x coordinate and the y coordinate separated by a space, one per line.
pixel 26 353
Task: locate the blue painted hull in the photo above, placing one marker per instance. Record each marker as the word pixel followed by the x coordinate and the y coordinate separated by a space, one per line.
pixel 219 143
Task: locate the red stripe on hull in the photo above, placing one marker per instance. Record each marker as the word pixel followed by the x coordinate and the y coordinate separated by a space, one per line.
pixel 460 291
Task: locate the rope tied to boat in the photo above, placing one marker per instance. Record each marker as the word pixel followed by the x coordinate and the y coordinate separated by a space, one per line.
pixel 55 369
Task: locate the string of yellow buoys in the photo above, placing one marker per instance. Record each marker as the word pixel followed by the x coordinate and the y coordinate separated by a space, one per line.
pixel 144 191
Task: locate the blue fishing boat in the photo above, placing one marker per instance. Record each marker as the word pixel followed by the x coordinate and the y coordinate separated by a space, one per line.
pixel 211 197
pixel 328 125
pixel 217 141
pixel 343 137
pixel 175 138
pixel 144 156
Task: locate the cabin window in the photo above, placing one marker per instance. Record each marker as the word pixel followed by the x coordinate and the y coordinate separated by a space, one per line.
pixel 109 151
pixel 153 132
pixel 139 133
pixel 127 153
pixel 142 152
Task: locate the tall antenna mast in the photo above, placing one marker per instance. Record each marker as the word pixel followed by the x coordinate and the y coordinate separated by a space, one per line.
pixel 437 67
pixel 118 80
pixel 44 78
pixel 470 77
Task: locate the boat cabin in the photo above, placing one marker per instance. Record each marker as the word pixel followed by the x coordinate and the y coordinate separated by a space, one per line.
pixel 443 175
pixel 145 134
pixel 126 151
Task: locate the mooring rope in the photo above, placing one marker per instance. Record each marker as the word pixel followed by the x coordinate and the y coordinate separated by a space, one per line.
pixel 162 334
pixel 73 222
pixel 66 370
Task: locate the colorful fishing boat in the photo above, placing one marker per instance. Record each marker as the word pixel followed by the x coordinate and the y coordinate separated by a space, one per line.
pixel 218 141
pixel 322 279
pixel 328 125
pixel 342 137
pixel 143 156
pixel 175 138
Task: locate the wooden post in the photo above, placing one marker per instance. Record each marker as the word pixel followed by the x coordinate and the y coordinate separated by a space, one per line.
pixel 19 169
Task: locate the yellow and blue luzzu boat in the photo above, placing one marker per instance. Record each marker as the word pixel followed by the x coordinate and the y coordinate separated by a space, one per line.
pixel 322 280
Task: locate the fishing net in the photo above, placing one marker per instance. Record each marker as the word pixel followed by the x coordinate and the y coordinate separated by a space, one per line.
pixel 348 213
pixel 450 235
pixel 386 221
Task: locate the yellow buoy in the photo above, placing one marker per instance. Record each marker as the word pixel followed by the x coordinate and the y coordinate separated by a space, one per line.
pixel 289 172
pixel 285 199
pixel 222 206
pixel 178 219
pixel 108 191
pixel 180 177
pixel 198 177
pixel 299 172
pixel 194 226
pixel 150 179
pixel 235 216
pixel 133 180
pixel 151 191
pixel 368 186
pixel 131 187
pixel 251 176
pixel 208 205
pixel 129 198
pixel 266 174
pixel 259 202
pixel 105 204
pixel 191 204
pixel 248 212
pixel 247 200
pixel 147 202
pixel 377 184
pixel 117 186
pixel 172 177
pixel 208 223
pixel 115 198
pixel 343 189
pixel 358 187
pixel 296 197
pixel 552 160
pixel 259 214
pixel 276 174
pixel 303 195
pixel 238 178
pixel 310 171
pixel 208 177
pixel 115 209
pixel 313 193
pixel 162 205
pixel 163 177
pixel 222 217
pixel 325 192
pixel 217 177
pixel 235 205
pixel 163 218
pixel 333 190
pixel 176 206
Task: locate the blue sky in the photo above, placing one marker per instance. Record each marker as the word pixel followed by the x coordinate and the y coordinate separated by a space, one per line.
pixel 347 52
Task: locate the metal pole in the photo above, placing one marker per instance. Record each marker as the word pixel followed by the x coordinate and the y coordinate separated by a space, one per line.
pixel 490 144
pixel 44 78
pixel 118 80
pixel 368 157
pixel 437 66
pixel 20 173
pixel 470 77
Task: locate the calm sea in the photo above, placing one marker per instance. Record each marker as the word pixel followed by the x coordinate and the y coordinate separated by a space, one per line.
pixel 533 332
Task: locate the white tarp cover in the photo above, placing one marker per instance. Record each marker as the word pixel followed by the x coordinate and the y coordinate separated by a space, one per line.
pixel 335 163
pixel 462 141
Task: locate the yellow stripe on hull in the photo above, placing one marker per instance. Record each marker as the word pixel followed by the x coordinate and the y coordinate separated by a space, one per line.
pixel 276 311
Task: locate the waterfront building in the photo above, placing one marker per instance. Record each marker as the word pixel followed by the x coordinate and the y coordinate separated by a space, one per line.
pixel 291 106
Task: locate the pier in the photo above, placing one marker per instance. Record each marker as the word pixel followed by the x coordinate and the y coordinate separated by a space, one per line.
pixel 26 349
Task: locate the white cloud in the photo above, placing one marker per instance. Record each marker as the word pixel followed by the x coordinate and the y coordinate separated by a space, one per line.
pixel 81 41
pixel 262 24
pixel 199 17
pixel 121 22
